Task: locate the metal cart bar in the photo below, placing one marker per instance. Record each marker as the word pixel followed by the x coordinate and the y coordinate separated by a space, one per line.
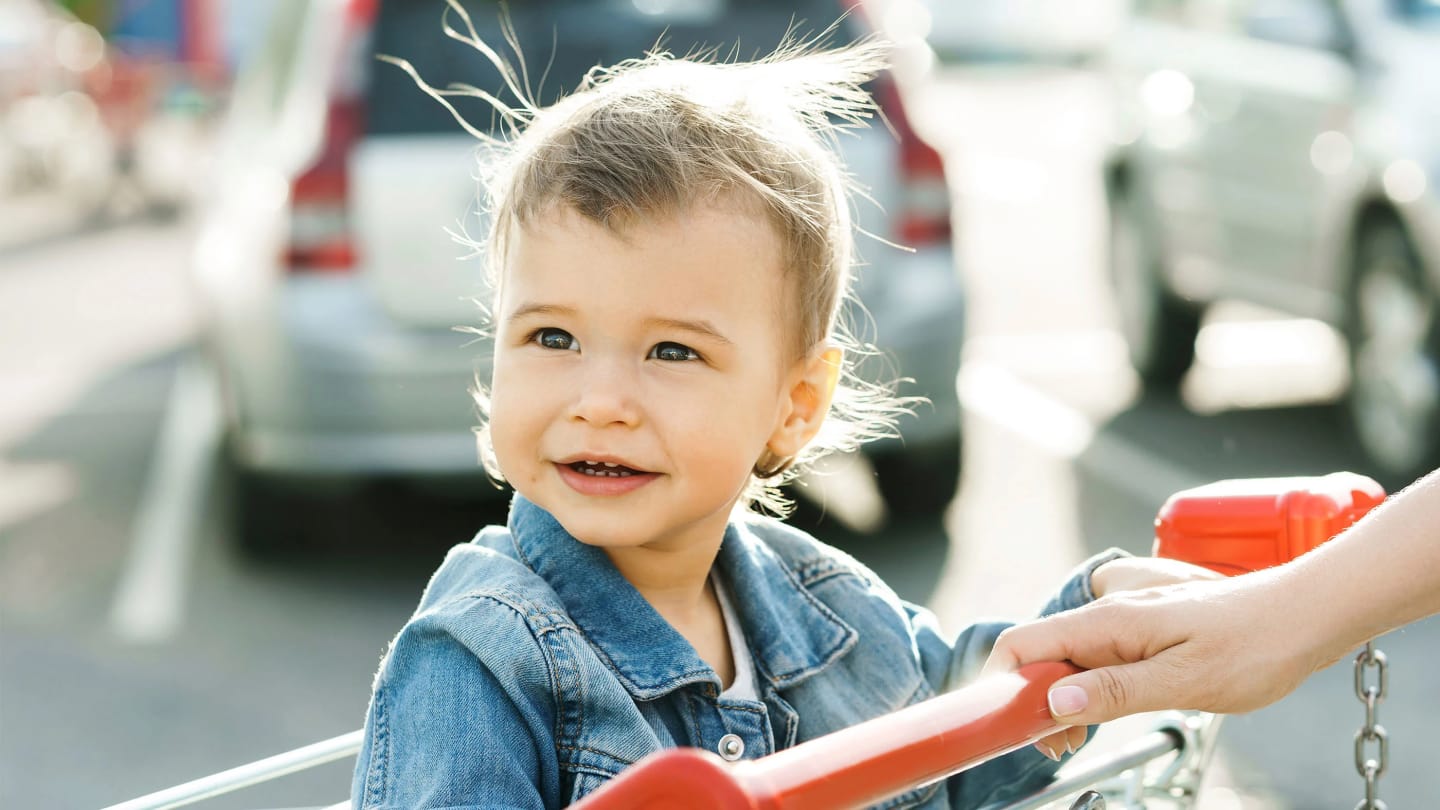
pixel 1151 747
pixel 207 787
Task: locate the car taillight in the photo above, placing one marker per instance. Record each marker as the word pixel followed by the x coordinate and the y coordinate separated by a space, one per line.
pixel 320 237
pixel 924 216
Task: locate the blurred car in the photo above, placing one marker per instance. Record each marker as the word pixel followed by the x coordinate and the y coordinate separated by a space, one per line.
pixel 52 137
pixel 1007 30
pixel 1286 153
pixel 333 292
pixel 159 119
pixel 79 118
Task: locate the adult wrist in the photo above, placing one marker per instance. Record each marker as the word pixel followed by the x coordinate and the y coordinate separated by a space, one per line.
pixel 1320 614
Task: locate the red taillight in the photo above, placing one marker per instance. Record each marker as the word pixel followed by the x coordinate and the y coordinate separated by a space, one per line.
pixel 320 236
pixel 924 216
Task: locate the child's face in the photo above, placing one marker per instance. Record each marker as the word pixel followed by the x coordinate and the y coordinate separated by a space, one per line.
pixel 657 352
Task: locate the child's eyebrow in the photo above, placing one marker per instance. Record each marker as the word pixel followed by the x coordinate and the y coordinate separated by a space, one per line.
pixel 697 327
pixel 538 309
pixel 702 328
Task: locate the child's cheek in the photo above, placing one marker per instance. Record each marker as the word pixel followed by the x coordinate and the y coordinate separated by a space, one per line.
pixel 506 438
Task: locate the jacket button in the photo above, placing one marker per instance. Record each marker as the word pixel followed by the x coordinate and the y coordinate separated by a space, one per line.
pixel 731 747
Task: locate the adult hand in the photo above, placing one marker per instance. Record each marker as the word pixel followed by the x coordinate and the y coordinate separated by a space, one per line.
pixel 1228 645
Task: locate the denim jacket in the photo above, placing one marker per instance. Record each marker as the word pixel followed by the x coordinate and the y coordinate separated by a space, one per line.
pixel 532 671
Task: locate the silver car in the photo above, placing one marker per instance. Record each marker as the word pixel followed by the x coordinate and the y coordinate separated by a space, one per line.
pixel 1287 153
pixel 334 293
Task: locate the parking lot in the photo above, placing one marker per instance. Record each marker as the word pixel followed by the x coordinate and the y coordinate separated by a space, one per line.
pixel 139 649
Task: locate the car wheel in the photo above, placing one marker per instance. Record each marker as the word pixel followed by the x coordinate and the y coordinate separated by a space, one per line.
pixel 918 482
pixel 1159 327
pixel 262 517
pixel 255 515
pixel 1394 400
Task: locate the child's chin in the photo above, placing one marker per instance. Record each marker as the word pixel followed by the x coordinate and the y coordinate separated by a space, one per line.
pixel 600 533
pixel 608 542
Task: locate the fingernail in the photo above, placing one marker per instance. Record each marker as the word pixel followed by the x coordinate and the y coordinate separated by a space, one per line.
pixel 1065 700
pixel 1048 751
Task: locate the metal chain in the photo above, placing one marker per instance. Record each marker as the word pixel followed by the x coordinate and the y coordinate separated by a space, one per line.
pixel 1372 695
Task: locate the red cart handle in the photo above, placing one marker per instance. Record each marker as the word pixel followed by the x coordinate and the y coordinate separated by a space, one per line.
pixel 856 766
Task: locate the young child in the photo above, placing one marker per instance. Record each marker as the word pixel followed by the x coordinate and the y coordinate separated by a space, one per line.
pixel 670 249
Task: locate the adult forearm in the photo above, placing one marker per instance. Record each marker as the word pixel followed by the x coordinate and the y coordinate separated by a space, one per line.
pixel 1382 573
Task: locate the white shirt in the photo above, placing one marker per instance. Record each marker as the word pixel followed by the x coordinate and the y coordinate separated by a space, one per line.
pixel 743 687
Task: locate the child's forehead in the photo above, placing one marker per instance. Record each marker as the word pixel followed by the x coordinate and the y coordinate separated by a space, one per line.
pixel 738 212
pixel 699 262
pixel 720 227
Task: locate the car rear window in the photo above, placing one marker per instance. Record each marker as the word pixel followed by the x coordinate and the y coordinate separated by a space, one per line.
pixel 560 41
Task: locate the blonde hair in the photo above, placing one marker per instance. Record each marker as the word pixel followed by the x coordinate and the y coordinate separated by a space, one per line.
pixel 659 134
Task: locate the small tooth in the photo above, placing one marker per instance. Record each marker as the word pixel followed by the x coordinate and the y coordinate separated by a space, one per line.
pixel 611 464
pixel 592 463
pixel 588 471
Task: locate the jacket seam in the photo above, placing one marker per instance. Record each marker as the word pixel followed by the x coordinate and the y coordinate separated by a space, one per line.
pixel 562 676
pixel 531 612
pixel 817 569
pixel 636 691
pixel 689 702
pixel 588 750
pixel 377 780
pixel 847 641
pixel 549 623
pixel 590 770
pixel 732 707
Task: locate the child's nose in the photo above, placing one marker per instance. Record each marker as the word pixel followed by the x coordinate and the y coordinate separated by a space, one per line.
pixel 607 395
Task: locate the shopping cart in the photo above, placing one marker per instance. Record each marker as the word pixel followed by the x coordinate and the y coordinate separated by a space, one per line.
pixel 1230 526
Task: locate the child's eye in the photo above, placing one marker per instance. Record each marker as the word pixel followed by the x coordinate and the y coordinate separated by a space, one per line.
pixel 552 338
pixel 673 352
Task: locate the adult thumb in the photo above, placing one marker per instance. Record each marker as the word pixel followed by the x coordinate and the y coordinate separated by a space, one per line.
pixel 1105 694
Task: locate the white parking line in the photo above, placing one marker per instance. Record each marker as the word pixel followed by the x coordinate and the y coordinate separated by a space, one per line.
pixel 150 600
pixel 999 396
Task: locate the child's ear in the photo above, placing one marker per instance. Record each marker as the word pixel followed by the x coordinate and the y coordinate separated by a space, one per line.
pixel 807 402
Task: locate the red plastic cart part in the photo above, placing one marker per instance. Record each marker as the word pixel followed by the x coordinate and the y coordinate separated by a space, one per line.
pixel 854 767
pixel 1247 524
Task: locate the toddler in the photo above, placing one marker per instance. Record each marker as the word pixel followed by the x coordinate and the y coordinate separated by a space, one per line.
pixel 670 248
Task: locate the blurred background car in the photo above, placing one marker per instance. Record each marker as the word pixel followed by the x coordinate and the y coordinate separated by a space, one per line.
pixel 53 140
pixel 1047 31
pixel 109 113
pixel 1285 153
pixel 333 293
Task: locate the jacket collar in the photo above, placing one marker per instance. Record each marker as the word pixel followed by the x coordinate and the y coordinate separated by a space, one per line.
pixel 791 634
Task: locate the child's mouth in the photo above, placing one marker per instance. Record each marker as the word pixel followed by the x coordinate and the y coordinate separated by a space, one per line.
pixel 603 478
pixel 603 469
